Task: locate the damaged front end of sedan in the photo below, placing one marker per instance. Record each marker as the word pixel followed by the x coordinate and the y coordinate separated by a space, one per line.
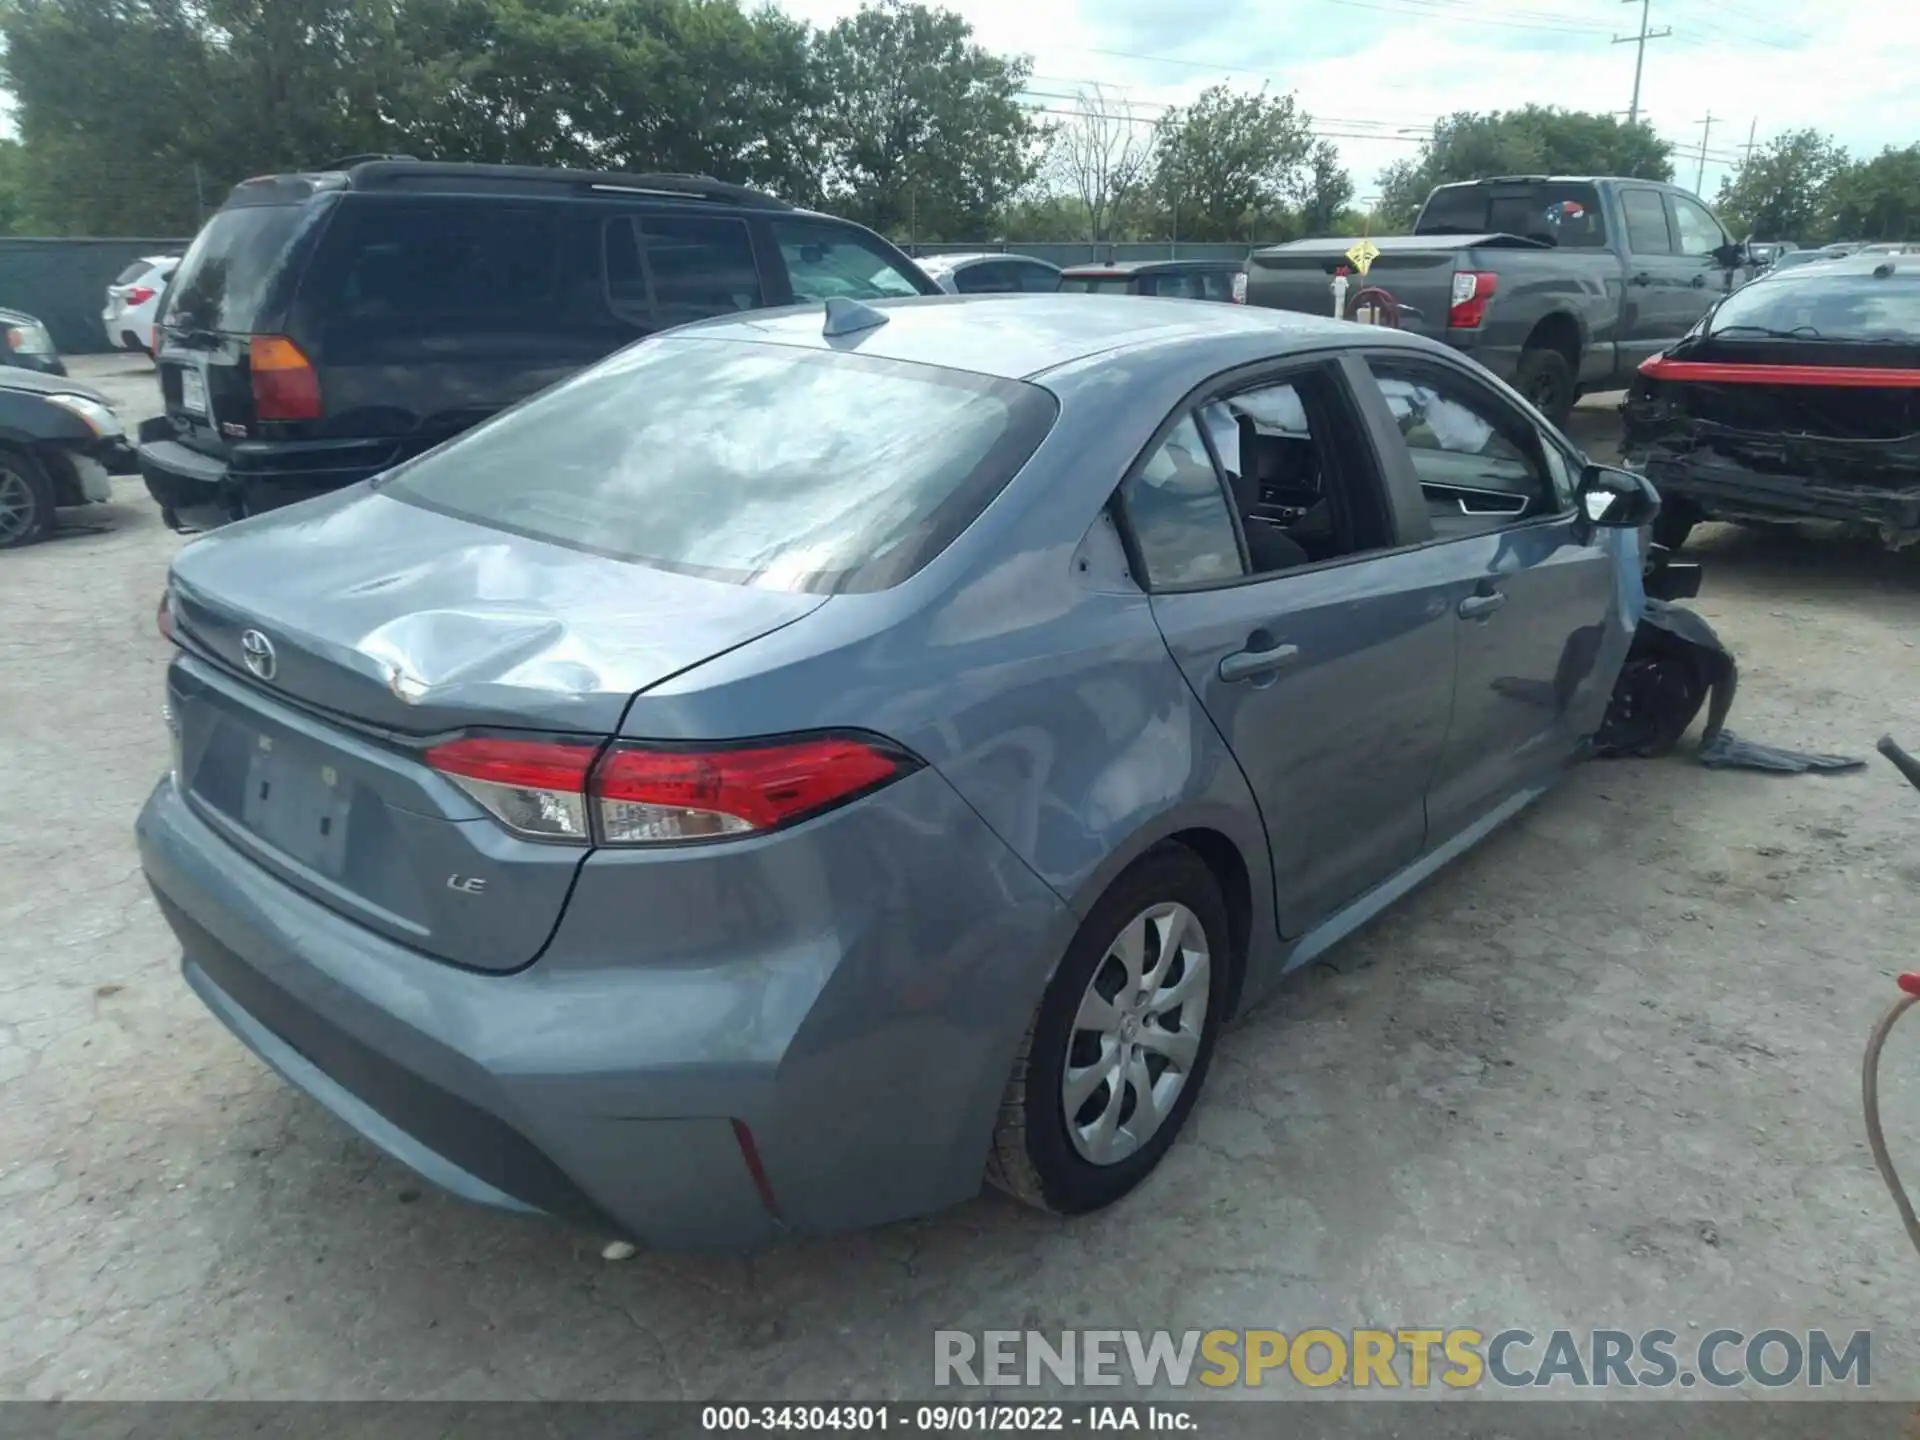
pixel 1797 398
pixel 1722 443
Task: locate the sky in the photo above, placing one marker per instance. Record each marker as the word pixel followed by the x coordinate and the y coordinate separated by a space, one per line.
pixel 1375 74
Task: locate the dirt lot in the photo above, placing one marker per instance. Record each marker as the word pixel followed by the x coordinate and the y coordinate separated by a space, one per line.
pixel 1604 1071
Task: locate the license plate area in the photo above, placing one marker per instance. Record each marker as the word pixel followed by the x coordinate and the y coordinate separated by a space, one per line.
pixel 298 803
pixel 193 392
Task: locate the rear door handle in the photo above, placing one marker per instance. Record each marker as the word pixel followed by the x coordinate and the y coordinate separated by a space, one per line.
pixel 1643 278
pixel 1475 606
pixel 1699 282
pixel 1252 664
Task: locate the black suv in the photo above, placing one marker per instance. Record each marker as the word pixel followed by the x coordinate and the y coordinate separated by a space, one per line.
pixel 324 327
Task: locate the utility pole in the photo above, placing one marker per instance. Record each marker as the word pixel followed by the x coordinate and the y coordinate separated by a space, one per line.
pixel 1700 175
pixel 1746 150
pixel 1640 53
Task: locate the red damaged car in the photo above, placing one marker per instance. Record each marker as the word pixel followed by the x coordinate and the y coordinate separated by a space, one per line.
pixel 1796 398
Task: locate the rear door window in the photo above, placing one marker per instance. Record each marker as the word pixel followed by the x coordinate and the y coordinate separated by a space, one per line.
pixel 825 261
pixel 406 265
pixel 1646 214
pixel 762 465
pixel 1178 512
pixel 232 267
pixel 1038 279
pixel 665 270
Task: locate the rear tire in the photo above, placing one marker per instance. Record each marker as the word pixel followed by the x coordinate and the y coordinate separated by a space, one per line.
pixel 26 499
pixel 1546 379
pixel 1674 524
pixel 1124 1034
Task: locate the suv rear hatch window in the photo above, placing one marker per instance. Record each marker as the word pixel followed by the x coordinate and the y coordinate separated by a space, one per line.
pixel 230 268
pixel 1095 284
pixel 1563 214
pixel 761 465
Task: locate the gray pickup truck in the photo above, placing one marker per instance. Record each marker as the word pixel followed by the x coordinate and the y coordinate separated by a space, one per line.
pixel 1559 286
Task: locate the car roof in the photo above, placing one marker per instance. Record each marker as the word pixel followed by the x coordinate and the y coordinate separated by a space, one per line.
pixel 362 173
pixel 1018 337
pixel 1144 267
pixel 943 263
pixel 1906 266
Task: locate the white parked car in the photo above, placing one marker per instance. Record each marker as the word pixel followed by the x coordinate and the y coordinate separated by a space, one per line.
pixel 133 299
pixel 990 274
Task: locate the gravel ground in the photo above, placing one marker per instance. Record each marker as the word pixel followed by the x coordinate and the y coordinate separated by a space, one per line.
pixel 1603 1071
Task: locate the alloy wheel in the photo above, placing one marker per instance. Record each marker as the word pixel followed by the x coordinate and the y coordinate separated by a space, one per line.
pixel 1137 1034
pixel 18 509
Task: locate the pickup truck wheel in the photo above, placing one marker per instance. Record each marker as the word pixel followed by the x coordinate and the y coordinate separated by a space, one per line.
pixel 1546 379
pixel 26 499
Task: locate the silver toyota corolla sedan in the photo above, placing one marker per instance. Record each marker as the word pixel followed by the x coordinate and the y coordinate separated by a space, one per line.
pixel 812 762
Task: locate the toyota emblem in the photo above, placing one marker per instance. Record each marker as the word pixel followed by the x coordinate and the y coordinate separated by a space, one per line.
pixel 257 651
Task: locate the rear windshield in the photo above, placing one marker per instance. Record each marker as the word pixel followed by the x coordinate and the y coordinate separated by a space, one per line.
pixel 131 273
pixel 1089 284
pixel 1567 215
pixel 761 465
pixel 224 278
pixel 1807 304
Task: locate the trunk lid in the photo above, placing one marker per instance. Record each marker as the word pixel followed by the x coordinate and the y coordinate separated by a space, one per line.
pixel 385 629
pixel 401 618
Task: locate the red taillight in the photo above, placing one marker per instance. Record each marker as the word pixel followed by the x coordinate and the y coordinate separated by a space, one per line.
pixel 140 294
pixel 537 788
pixel 285 385
pixel 1472 289
pixel 655 795
pixel 651 796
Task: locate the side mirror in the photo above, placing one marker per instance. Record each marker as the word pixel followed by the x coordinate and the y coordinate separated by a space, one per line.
pixel 1616 499
pixel 1732 255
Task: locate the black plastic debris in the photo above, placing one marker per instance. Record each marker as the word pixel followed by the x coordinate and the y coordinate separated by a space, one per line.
pixel 1676 663
pixel 1727 751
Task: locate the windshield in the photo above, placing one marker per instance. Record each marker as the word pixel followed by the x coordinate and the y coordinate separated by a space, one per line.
pixel 1811 305
pixel 763 465
pixel 224 278
pixel 1566 215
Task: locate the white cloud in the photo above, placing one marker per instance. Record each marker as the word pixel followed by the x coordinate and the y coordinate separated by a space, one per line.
pixel 1844 69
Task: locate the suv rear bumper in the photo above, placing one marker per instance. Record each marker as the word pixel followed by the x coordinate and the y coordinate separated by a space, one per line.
pixel 195 490
pixel 867 1072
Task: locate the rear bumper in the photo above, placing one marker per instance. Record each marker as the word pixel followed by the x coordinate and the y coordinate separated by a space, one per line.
pixel 865 1055
pixel 198 491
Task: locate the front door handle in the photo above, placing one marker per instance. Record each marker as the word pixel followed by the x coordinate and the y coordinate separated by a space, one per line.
pixel 1476 606
pixel 1643 278
pixel 1699 282
pixel 1253 664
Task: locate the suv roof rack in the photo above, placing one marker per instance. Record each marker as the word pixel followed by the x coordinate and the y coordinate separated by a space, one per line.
pixel 397 173
pixel 347 162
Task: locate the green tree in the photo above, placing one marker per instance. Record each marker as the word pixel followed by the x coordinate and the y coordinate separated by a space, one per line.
pixel 1225 165
pixel 1877 199
pixel 1322 191
pixel 923 131
pixel 1780 192
pixel 1533 140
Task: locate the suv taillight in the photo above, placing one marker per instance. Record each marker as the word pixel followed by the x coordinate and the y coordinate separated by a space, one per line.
pixel 1240 288
pixel 285 385
pixel 651 794
pixel 1472 289
pixel 139 295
